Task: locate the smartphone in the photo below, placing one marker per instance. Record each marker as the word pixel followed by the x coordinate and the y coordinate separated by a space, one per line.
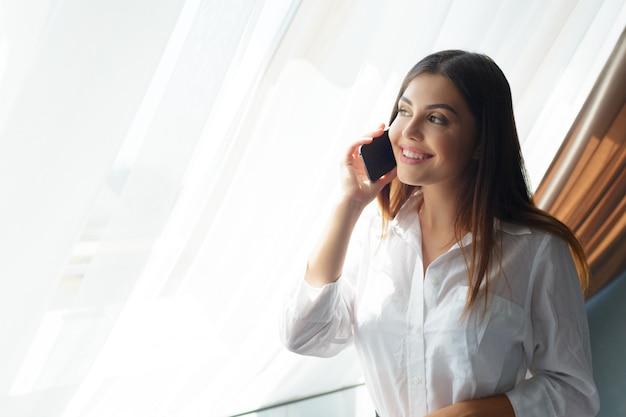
pixel 377 157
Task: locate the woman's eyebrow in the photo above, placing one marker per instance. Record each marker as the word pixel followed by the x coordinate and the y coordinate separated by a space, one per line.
pixel 432 106
pixel 442 106
pixel 406 100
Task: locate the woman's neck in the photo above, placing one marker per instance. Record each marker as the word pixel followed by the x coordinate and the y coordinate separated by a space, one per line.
pixel 438 210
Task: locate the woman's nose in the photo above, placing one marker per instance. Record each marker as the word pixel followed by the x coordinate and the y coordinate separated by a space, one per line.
pixel 412 130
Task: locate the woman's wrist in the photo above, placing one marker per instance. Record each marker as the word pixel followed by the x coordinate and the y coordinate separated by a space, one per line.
pixel 352 204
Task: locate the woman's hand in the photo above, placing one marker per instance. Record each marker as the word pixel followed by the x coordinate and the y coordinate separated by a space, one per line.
pixel 497 406
pixel 357 187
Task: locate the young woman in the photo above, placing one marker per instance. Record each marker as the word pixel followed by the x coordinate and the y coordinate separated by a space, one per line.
pixel 467 300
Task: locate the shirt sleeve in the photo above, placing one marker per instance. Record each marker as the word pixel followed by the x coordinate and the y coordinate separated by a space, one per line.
pixel 319 321
pixel 316 321
pixel 558 351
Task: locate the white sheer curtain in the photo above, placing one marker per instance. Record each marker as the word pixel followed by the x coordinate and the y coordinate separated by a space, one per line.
pixel 165 166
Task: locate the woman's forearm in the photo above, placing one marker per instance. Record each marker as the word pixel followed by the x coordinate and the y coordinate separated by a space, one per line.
pixel 327 259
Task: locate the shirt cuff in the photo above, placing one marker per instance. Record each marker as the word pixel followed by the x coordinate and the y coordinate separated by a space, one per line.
pixel 531 398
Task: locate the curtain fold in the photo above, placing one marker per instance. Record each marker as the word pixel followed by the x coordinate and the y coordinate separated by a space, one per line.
pixel 585 186
pixel 74 93
pixel 166 166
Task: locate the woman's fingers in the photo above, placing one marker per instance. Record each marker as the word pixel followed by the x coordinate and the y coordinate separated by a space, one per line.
pixel 353 151
pixel 377 132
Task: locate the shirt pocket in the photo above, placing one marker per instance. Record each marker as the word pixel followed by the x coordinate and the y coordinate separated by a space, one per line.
pixel 499 354
pixel 477 345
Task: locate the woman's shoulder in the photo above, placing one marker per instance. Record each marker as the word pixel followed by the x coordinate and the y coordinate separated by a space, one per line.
pixel 535 240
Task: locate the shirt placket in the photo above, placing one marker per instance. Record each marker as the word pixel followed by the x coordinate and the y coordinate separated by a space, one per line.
pixel 416 364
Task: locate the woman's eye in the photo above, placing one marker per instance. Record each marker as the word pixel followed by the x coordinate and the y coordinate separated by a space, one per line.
pixel 436 119
pixel 403 112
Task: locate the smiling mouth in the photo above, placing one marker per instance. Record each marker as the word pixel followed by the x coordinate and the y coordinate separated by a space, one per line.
pixel 415 155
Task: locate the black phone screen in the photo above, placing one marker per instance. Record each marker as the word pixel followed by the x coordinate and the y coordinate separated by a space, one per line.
pixel 377 157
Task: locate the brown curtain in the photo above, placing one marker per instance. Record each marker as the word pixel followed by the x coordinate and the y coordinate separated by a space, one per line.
pixel 585 187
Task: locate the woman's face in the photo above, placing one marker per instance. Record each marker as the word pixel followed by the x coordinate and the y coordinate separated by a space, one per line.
pixel 434 133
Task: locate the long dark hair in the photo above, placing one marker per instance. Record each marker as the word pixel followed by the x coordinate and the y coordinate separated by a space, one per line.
pixel 496 187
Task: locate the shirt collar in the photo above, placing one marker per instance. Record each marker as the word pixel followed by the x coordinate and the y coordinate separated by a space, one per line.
pixel 407 219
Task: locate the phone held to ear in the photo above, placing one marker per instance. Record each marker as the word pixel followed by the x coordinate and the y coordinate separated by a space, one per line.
pixel 377 157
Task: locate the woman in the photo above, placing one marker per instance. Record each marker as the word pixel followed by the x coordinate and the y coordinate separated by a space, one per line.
pixel 469 303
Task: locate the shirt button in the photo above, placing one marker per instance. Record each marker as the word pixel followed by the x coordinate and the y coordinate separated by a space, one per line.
pixel 416 329
pixel 434 281
pixel 417 381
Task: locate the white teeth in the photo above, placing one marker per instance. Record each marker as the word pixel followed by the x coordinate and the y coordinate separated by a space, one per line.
pixel 414 155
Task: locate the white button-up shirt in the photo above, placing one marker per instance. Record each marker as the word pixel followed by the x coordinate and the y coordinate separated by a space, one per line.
pixel 417 350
